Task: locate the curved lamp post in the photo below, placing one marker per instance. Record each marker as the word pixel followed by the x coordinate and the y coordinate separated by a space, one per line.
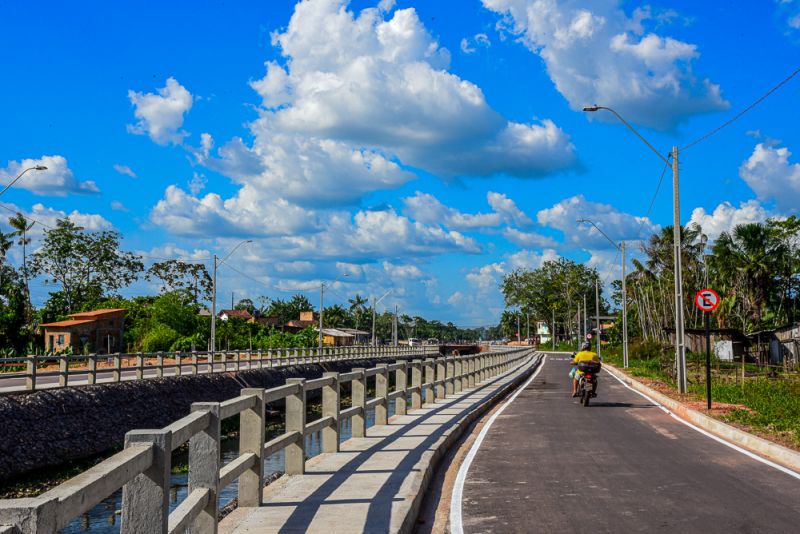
pixel 34 168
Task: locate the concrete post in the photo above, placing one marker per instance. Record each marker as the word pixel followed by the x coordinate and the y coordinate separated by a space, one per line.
pixel 194 363
pixel 482 368
pixel 430 378
pixel 30 378
pixel 204 463
pixel 441 376
pixel 416 382
pixel 159 364
pixel 35 515
pixel 63 371
pixel 471 363
pixel 260 359
pixel 178 359
pixel 330 408
pixel 91 374
pixel 401 384
pixel 359 394
pixel 382 392
pixel 458 371
pixel 295 454
pixel 139 365
pixel 251 440
pixel 145 499
pixel 449 376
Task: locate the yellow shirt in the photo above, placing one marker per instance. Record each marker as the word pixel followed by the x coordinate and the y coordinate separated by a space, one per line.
pixel 585 356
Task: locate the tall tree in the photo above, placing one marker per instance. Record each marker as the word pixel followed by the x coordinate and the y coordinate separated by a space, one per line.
pixel 358 307
pixel 180 275
pixel 86 265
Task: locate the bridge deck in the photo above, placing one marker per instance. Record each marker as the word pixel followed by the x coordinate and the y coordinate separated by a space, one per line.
pixel 374 484
pixel 620 465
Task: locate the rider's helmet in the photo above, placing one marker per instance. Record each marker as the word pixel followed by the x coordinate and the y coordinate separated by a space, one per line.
pixel 586 345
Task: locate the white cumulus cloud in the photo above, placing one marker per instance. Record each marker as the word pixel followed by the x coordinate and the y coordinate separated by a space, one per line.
pixel 596 54
pixel 726 216
pixel 124 169
pixel 426 208
pixel 771 175
pixel 58 180
pixel 161 114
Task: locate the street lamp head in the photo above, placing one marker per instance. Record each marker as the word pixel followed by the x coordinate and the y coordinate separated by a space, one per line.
pixel 591 109
pixel 40 168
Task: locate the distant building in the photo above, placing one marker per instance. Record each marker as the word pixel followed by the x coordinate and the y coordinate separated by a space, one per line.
pixel 98 331
pixel 361 337
pixel 244 315
pixel 337 338
pixel 307 318
pixel 268 321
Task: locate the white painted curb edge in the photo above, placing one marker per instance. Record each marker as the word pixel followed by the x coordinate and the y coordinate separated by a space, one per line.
pixel 769 449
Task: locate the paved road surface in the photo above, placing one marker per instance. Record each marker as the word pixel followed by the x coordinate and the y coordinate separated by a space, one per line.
pixel 549 464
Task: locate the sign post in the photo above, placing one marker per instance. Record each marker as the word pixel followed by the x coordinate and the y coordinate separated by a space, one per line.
pixel 707 301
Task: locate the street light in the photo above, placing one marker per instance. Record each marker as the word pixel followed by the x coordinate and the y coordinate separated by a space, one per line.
pixel 374 306
pixel 214 296
pixel 621 248
pixel 34 168
pixel 703 243
pixel 322 307
pixel 680 343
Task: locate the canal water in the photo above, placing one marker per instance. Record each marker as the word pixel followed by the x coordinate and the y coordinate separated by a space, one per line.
pixel 104 518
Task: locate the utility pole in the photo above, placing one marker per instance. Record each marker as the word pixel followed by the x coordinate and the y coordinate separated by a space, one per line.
pixel 585 317
pixel 528 333
pixel 680 347
pixel 597 311
pixel 374 339
pixel 395 332
pixel 519 339
pixel 214 309
pixel 321 310
pixel 554 330
pixel 578 320
pixel 624 312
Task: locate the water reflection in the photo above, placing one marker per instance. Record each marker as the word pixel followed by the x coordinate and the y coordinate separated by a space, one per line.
pixel 104 518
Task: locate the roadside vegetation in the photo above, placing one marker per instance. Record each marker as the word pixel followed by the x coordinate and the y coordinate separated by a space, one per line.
pixel 88 270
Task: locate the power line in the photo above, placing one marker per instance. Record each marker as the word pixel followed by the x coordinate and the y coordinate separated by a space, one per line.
pixel 745 110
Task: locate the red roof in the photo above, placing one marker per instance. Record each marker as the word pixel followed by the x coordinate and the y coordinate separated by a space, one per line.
pixel 241 314
pixel 95 313
pixel 64 324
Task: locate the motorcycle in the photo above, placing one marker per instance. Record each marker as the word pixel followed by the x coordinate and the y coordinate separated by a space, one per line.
pixel 587 381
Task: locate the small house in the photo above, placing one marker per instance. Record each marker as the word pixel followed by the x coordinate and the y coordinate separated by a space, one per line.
pixel 98 331
pixel 242 315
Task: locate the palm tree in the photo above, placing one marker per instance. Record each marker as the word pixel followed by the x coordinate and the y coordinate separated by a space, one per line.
pixel 746 261
pixel 21 228
pixel 358 307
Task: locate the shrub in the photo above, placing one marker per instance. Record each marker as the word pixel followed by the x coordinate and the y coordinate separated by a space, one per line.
pixel 159 338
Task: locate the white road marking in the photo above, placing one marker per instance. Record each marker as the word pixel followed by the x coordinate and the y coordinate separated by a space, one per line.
pixel 712 436
pixel 456 524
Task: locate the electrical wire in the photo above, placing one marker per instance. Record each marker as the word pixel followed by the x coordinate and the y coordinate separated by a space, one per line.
pixel 745 110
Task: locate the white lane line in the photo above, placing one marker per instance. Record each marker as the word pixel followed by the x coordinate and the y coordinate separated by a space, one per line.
pixel 712 436
pixel 456 525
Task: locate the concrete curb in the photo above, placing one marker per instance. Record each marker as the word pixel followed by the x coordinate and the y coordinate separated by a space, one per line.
pixel 768 449
pixel 444 443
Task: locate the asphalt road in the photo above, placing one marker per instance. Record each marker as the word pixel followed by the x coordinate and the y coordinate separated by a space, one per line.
pixel 548 464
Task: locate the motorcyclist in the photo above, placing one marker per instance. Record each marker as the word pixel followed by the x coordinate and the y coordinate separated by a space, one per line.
pixel 585 354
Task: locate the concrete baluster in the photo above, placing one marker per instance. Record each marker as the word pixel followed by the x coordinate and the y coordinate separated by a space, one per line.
pixel 139 365
pixel 39 515
pixel 449 376
pixel 91 364
pixel 30 375
pixel 473 361
pixel 159 364
pixel 401 384
pixel 204 464
pixel 178 361
pixel 145 499
pixel 330 408
pixel 295 454
pixel 441 376
pixel 416 382
pixel 430 378
pixel 195 369
pixel 458 371
pixel 359 394
pixel 251 440
pixel 382 392
pixel 116 374
pixel 63 371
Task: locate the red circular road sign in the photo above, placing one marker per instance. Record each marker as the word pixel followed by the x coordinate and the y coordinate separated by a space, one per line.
pixel 589 336
pixel 706 300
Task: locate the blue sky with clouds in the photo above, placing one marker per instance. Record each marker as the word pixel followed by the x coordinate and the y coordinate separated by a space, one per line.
pixel 428 147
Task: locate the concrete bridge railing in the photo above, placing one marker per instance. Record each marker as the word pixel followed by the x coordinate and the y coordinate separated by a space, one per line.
pixel 154 364
pixel 143 467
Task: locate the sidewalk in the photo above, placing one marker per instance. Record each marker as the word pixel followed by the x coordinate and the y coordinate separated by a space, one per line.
pixel 375 484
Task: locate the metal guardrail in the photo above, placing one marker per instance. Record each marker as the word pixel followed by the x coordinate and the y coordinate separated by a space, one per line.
pixel 153 364
pixel 143 467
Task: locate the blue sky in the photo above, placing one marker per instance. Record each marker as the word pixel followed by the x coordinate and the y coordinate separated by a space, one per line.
pixel 428 147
